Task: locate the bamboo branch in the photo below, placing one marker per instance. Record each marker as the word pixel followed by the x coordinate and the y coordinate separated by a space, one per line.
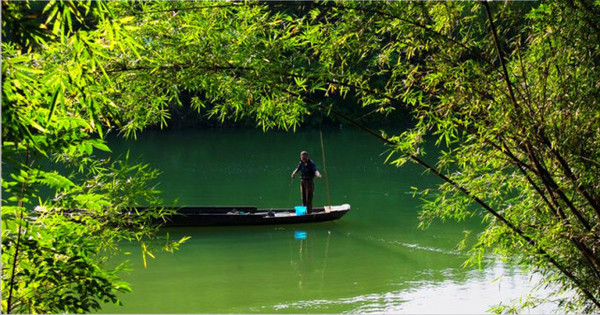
pixel 424 27
pixel 592 200
pixel 553 187
pixel 232 3
pixel 525 81
pixel 20 204
pixel 593 23
pixel 585 251
pixel 545 175
pixel 176 66
pixel 569 173
pixel 335 5
pixel 522 168
pixel 501 56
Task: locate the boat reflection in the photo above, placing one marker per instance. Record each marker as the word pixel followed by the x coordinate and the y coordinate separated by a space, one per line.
pixel 305 261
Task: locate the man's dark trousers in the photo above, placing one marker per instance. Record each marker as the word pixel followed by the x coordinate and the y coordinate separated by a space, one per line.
pixel 307 188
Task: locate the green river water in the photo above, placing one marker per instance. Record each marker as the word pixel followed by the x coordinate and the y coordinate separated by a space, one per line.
pixel 374 259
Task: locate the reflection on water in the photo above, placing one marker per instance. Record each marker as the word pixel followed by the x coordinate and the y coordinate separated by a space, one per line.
pixel 300 235
pixel 427 297
pixel 372 260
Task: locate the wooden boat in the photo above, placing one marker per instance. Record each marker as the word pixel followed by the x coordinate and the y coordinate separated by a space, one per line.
pixel 220 215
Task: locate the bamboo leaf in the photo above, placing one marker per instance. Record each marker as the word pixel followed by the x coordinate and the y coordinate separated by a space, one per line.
pixel 52 106
pixel 55 180
pixel 100 145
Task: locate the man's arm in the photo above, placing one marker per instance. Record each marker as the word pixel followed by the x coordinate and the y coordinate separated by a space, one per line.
pixel 318 174
pixel 296 170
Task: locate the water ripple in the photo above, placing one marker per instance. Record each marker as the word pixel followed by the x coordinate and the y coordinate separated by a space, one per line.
pixel 418 246
pixel 474 296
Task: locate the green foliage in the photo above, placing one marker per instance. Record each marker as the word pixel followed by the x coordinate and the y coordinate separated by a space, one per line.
pixel 64 208
pixel 59 267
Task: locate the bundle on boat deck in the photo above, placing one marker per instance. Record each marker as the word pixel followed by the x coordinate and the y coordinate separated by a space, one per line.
pixel 244 215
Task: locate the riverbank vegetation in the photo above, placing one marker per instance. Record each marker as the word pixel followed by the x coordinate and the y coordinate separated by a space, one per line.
pixel 63 206
pixel 509 89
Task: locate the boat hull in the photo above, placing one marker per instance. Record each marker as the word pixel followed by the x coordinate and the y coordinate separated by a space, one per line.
pixel 224 216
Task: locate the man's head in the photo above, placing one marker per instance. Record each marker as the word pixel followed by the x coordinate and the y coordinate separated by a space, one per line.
pixel 304 156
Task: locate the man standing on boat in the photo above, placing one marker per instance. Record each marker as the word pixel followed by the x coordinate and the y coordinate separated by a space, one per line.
pixel 308 171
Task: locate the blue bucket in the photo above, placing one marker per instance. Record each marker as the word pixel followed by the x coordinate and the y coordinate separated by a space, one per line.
pixel 300 210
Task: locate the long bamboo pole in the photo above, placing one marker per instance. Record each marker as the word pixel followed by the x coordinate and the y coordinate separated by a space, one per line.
pixel 325 169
